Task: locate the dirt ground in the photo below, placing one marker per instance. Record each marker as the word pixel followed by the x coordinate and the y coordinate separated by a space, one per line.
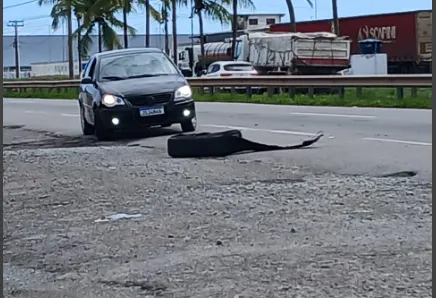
pixel 244 226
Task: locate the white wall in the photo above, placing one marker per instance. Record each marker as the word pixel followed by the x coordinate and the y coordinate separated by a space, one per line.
pixel 261 21
pixel 53 69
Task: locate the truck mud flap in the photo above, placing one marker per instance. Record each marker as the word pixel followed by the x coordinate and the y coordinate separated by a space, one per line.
pixel 222 144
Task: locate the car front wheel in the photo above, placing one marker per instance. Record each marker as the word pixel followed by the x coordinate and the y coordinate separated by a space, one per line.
pixel 87 128
pixel 189 125
pixel 101 133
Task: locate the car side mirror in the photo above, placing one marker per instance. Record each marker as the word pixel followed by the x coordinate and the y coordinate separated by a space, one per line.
pixel 86 81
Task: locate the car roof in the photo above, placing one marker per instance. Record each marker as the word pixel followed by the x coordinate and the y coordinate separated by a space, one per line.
pixel 127 51
pixel 232 62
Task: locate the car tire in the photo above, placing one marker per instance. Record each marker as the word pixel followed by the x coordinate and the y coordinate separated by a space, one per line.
pixel 87 129
pixel 101 133
pixel 203 144
pixel 189 126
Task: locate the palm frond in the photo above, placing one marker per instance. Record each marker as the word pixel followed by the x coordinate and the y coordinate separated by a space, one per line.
pixel 215 11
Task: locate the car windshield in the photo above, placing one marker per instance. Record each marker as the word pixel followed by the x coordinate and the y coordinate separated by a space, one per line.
pixel 238 67
pixel 136 65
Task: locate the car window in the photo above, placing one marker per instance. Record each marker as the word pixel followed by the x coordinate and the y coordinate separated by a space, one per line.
pixel 88 67
pixel 209 70
pixel 238 67
pixel 213 68
pixel 92 69
pixel 128 65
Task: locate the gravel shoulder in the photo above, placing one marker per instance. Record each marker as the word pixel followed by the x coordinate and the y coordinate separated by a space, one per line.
pixel 243 226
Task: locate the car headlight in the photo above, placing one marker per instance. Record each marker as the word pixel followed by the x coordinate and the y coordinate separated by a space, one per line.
pixel 112 100
pixel 183 93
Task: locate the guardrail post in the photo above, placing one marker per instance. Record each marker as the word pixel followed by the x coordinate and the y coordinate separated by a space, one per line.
pixel 414 92
pixel 359 92
pixel 232 90
pixel 249 92
pixel 341 92
pixel 400 93
pixel 311 92
pixel 291 92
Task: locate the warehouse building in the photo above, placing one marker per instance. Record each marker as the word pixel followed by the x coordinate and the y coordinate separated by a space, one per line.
pixel 51 52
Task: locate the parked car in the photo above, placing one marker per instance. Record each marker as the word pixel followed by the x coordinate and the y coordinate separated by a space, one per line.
pixel 229 69
pixel 133 89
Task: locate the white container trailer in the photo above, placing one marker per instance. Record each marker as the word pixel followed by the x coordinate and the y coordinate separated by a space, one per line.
pixel 296 53
pixel 273 53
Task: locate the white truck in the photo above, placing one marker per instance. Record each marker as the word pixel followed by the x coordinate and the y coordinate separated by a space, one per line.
pixel 277 53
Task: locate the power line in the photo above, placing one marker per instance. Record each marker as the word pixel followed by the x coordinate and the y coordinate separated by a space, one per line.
pixel 16 24
pixel 19 4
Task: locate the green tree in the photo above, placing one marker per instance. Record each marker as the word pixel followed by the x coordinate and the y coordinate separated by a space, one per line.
pixel 292 13
pixel 235 4
pixel 62 10
pixel 164 13
pixel 335 17
pixel 150 12
pixel 100 16
pixel 214 10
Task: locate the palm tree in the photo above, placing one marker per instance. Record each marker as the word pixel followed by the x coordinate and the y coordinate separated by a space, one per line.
pixel 292 13
pixel 100 15
pixel 174 23
pixel 150 11
pixel 164 20
pixel 335 17
pixel 243 4
pixel 79 48
pixel 213 10
pixel 63 9
pixel 127 7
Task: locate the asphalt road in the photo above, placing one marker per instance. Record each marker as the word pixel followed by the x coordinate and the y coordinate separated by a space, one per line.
pixel 357 140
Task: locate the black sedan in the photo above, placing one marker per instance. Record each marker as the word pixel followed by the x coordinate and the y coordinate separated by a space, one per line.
pixel 133 89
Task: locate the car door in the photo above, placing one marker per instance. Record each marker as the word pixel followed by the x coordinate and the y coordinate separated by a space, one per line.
pixel 88 90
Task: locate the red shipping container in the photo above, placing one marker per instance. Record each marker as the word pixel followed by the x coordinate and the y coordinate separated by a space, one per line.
pixel 406 36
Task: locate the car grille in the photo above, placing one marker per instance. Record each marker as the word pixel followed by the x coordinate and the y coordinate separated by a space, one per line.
pixel 150 99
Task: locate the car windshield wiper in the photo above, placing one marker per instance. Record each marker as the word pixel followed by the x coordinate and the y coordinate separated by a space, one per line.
pixel 148 75
pixel 114 78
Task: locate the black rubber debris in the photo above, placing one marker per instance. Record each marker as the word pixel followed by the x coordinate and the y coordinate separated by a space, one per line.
pixel 402 174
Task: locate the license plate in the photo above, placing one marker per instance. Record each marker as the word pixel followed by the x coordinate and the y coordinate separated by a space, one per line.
pixel 154 111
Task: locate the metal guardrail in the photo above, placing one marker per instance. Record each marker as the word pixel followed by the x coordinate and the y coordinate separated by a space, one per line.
pixel 270 82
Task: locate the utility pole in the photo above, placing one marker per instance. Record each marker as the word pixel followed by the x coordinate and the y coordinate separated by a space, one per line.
pixel 16 24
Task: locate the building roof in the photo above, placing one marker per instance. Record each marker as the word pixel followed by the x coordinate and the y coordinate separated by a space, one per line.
pixel 51 48
pixel 261 14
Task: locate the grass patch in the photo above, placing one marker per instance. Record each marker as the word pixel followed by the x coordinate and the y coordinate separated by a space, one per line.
pixel 371 97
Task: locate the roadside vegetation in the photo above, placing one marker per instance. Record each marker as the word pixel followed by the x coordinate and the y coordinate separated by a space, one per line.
pixel 371 97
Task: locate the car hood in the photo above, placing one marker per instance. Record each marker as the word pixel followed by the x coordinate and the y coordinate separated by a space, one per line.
pixel 143 86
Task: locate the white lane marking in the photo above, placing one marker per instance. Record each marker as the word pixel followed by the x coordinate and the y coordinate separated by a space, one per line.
pixel 289 132
pixel 70 115
pixel 399 141
pixel 35 112
pixel 335 115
